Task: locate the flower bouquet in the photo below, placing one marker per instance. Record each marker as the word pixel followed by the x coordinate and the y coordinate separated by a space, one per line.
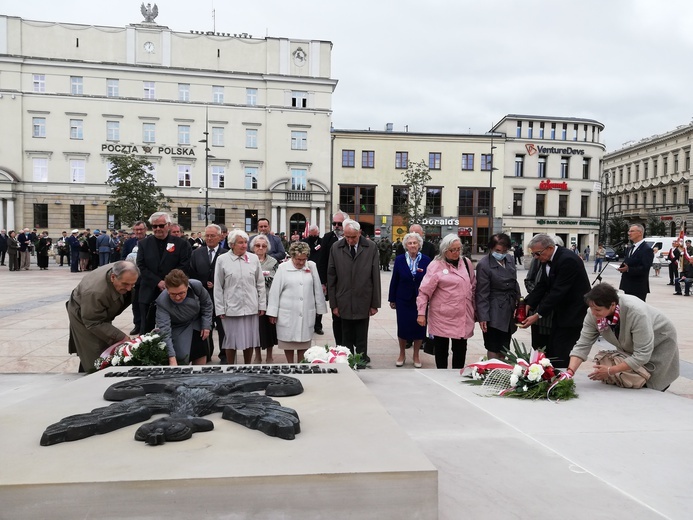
pixel 338 354
pixel 527 374
pixel 145 350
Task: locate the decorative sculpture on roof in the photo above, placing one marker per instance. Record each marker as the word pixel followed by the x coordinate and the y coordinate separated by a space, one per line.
pixel 186 398
pixel 149 12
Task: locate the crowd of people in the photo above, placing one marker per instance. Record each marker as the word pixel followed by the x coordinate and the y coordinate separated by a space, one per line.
pixel 260 292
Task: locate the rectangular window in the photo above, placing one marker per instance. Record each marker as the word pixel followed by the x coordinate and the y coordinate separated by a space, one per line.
pixel 112 88
pixel 112 130
pixel 665 164
pixel 77 170
pixel 112 222
pixel 401 160
pixel 76 131
pixel 486 160
pixel 250 220
pixel 183 92
pixel 251 97
pixel 688 160
pixel 584 205
pixel 434 160
pixel 519 166
pixel 149 90
pixel 149 132
pixel 530 130
pixel 637 171
pixel 563 205
pixel 299 179
pixel 654 167
pixel 39 82
pixel 518 131
pixel 541 130
pixel 218 176
pixel 347 197
pixel 564 131
pixel 366 200
pixel 41 215
pixel 586 169
pixel 217 95
pixel 183 134
pixel 76 85
pixel 400 199
pixel 219 216
pixel 299 140
pixel 217 136
pixel 564 167
pixel 185 218
pixel 553 130
pixel 466 203
pixel 517 204
pixel 40 167
pixel 676 163
pixel 484 204
pixel 434 197
pixel 77 216
pixel 250 138
pixel 664 197
pixel 468 161
pixel 299 99
pixel 184 176
pixel 368 159
pixel 541 167
pixel 38 125
pixel 250 178
pixel 348 158
pixel 585 136
pixel 540 205
pixel 575 132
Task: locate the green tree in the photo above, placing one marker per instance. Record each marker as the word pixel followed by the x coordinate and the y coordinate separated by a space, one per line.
pixel 135 195
pixel 415 177
pixel 655 227
pixel 618 229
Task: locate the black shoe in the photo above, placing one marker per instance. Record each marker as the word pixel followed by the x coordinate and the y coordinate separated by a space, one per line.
pixel 319 331
pixel 134 331
pixel 677 294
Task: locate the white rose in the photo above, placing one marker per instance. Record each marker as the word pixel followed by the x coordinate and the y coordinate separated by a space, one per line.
pixel 518 370
pixel 514 379
pixel 314 353
pixel 535 372
pixel 342 359
pixel 344 350
pixel 524 388
pixel 545 362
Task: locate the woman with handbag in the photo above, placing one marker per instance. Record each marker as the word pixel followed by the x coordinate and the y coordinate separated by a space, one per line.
pixel 646 353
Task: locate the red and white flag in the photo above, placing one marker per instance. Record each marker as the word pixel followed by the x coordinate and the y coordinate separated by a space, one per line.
pixel 305 231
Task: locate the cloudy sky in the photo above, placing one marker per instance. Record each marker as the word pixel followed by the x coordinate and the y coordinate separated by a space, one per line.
pixel 458 66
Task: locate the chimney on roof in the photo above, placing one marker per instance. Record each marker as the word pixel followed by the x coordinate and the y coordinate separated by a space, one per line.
pixel 388 127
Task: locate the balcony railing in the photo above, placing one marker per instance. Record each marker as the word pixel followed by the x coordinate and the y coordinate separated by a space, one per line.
pixel 298 196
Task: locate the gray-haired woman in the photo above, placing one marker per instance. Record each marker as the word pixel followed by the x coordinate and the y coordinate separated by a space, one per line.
pixel 260 245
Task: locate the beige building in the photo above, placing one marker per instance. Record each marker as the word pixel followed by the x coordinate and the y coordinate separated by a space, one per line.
pixel 551 174
pixel 73 95
pixel 650 177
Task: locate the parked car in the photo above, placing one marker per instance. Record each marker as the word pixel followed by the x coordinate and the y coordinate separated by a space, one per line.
pixel 611 254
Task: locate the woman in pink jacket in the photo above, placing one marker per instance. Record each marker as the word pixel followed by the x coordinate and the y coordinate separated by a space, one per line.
pixel 448 292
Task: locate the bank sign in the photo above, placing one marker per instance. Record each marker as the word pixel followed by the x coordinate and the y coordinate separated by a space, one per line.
pixel 533 149
pixel 160 150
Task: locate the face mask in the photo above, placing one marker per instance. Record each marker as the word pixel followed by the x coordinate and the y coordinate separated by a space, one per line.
pixel 498 256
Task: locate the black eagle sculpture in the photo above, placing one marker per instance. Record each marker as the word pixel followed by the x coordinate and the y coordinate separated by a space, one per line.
pixel 186 398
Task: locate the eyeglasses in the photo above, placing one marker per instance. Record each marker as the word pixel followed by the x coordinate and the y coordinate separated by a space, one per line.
pixel 336 223
pixel 159 226
pixel 538 253
pixel 455 250
pixel 178 294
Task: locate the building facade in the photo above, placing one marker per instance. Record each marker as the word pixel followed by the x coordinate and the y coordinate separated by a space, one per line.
pixel 368 183
pixel 551 175
pixel 75 95
pixel 650 177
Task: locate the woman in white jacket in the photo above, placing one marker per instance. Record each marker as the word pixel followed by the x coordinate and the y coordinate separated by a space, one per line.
pixel 294 299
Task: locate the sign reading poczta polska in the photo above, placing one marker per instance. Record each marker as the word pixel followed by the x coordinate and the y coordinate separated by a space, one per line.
pixel 160 150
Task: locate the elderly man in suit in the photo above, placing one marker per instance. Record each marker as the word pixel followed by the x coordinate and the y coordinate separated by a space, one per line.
pixel 561 288
pixel 353 285
pixel 101 296
pixel 202 263
pixel 635 269
pixel 328 240
pixel 158 255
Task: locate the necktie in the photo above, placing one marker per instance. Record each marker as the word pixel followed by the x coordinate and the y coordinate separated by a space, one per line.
pixel 211 255
pixel 353 251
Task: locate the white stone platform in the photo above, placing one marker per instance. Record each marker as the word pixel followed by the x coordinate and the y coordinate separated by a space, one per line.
pixel 350 460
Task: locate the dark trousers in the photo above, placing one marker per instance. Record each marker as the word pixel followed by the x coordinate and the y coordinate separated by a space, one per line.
pixel 147 317
pixel 561 342
pixel 216 324
pixel 337 330
pixel 641 295
pixel 74 261
pixel 64 254
pixel 318 322
pixel 136 317
pixel 687 282
pixel 673 272
pixel 2 257
pixel 459 351
pixel 354 334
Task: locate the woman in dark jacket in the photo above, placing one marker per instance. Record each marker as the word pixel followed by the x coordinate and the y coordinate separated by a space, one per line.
pixel 43 250
pixel 13 250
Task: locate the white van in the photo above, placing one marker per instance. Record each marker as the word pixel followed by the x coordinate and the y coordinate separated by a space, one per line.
pixel 664 244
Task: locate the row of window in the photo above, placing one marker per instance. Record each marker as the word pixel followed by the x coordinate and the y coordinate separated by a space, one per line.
pixel 402 160
pixel 299 176
pixel 299 98
pixel 540 205
pixel 649 197
pixel 299 139
pixel 563 171
pixel 655 168
pixel 552 131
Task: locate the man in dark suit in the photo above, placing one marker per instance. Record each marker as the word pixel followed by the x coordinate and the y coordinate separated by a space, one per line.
pixel 328 240
pixel 561 289
pixel 158 255
pixel 353 279
pixel 202 263
pixel 635 269
pixel 428 248
pixel 277 250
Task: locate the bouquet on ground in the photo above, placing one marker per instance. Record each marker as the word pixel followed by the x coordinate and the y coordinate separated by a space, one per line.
pixel 527 374
pixel 145 350
pixel 338 354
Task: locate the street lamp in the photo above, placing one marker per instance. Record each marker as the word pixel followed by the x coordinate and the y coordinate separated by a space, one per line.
pixel 207 158
pixel 490 189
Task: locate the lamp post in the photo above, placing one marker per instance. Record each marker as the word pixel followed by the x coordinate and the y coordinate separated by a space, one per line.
pixel 490 189
pixel 207 158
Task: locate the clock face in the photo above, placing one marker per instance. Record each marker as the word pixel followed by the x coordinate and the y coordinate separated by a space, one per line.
pixel 149 47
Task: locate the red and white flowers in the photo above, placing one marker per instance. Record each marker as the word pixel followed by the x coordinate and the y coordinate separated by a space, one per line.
pixel 145 350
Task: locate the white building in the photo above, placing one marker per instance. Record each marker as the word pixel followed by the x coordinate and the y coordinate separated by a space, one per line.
pixel 72 95
pixel 551 178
